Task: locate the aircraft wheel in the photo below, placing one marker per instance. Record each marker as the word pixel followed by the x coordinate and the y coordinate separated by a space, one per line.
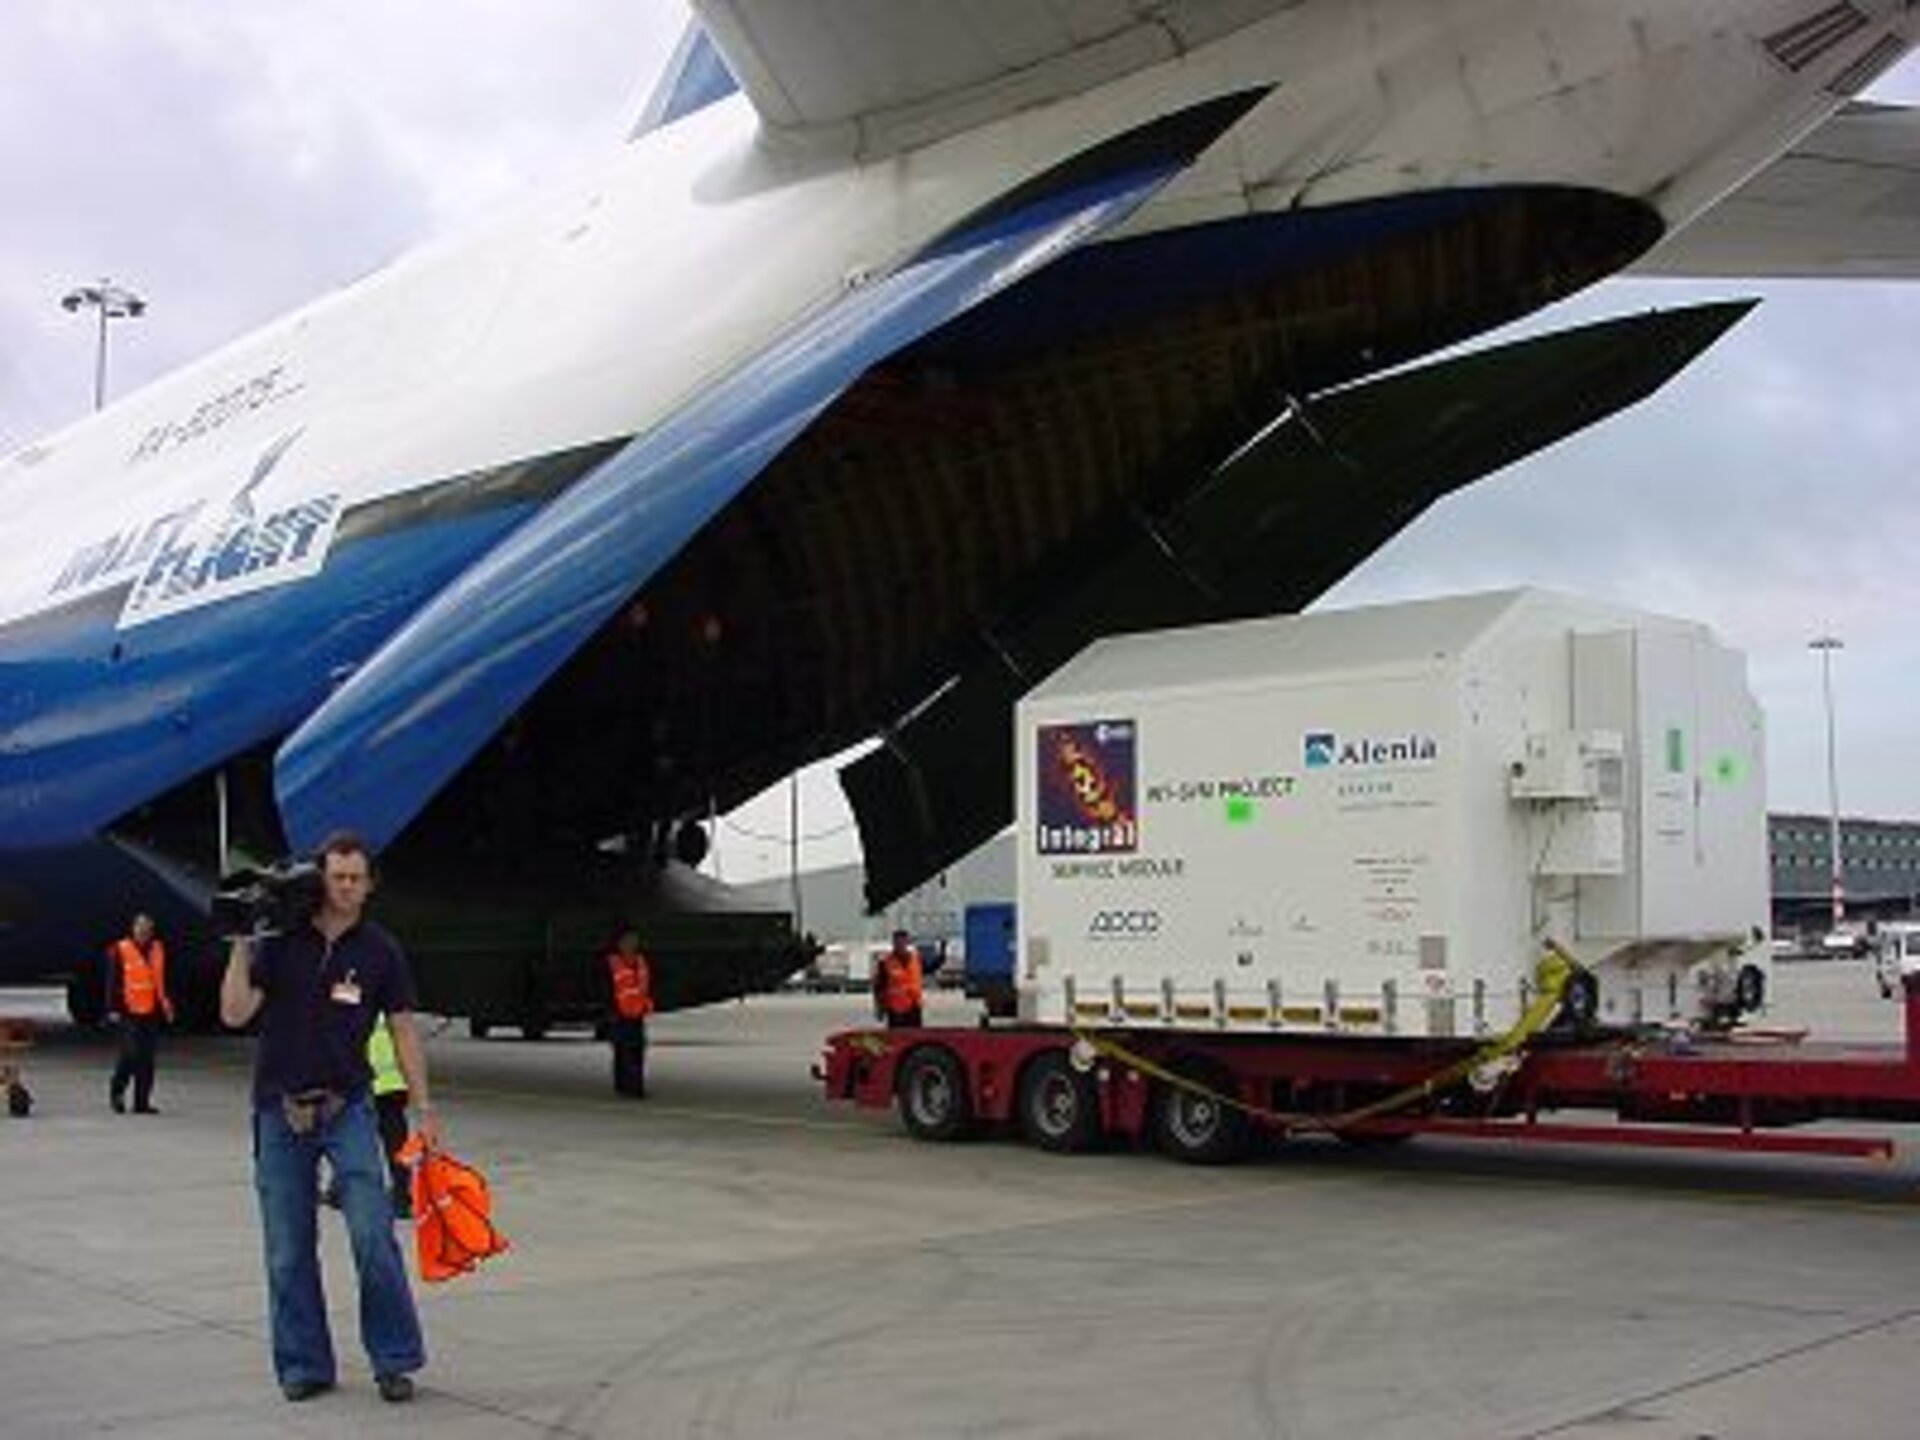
pixel 478 1028
pixel 932 1091
pixel 1750 989
pixel 86 1006
pixel 1059 1106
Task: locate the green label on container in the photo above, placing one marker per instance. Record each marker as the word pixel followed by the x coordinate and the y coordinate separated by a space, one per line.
pixel 1676 750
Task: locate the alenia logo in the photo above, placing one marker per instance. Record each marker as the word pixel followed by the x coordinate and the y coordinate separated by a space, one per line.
pixel 1324 749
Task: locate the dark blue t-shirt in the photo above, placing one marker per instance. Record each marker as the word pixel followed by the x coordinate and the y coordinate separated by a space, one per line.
pixel 321 1001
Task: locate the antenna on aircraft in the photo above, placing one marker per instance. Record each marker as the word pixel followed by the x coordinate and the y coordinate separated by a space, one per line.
pixel 112 302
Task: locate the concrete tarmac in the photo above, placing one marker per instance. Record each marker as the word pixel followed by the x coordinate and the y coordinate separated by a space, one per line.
pixel 733 1257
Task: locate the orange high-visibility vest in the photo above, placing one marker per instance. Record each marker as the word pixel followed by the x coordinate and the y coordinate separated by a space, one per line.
pixel 143 978
pixel 632 985
pixel 901 974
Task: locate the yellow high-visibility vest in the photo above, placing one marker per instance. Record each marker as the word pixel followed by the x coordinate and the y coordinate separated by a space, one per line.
pixel 387 1076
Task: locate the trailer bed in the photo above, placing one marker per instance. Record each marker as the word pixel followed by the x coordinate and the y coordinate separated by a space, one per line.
pixel 1204 1097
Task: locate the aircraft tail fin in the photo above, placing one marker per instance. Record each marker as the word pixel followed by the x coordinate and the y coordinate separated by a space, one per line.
pixel 695 77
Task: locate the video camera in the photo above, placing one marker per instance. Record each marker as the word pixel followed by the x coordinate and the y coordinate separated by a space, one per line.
pixel 269 901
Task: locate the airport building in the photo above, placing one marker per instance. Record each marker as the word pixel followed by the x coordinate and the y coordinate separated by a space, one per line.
pixel 1879 869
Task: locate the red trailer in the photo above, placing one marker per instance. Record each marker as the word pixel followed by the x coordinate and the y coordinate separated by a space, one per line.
pixel 1203 1097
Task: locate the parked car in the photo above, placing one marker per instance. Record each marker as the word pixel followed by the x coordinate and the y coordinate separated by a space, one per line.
pixel 1846 945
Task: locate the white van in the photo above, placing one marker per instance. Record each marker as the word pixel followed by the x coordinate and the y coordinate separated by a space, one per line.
pixel 1896 955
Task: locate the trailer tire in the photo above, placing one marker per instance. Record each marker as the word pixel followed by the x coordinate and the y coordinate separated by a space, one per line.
pixel 1059 1106
pixel 1198 1127
pixel 1749 989
pixel 935 1103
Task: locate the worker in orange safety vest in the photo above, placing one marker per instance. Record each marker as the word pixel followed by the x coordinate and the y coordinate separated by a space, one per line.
pixel 137 998
pixel 897 984
pixel 630 989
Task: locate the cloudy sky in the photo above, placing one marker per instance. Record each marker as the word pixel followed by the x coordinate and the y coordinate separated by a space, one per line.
pixel 231 160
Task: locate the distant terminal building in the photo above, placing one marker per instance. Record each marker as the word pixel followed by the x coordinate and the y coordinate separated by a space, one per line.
pixel 1879 869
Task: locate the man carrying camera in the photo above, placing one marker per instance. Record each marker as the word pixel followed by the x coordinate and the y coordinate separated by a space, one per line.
pixel 318 987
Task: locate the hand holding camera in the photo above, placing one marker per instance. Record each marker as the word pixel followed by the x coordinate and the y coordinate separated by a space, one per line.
pixel 252 904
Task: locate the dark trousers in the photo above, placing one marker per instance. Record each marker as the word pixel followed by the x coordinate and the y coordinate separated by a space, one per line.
pixel 904 1019
pixel 629 1039
pixel 391 1111
pixel 137 1036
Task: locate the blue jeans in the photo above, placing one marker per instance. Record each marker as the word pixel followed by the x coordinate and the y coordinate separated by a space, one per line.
pixel 286 1176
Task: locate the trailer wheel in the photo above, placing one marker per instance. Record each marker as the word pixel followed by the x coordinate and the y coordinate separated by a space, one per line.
pixel 1198 1126
pixel 932 1090
pixel 1059 1106
pixel 1750 989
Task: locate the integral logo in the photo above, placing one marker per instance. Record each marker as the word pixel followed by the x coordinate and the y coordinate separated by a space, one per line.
pixel 1325 750
pixel 1124 925
pixel 1088 778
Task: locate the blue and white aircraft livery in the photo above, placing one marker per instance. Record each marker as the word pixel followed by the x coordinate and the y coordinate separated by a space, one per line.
pixel 901 350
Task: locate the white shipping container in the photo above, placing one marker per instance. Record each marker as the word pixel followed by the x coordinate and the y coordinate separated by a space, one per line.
pixel 1373 821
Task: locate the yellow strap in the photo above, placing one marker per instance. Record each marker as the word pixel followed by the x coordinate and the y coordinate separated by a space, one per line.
pixel 1554 970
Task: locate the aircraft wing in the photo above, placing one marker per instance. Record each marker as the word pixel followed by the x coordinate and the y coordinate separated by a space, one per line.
pixel 895 72
pixel 379 749
pixel 1844 203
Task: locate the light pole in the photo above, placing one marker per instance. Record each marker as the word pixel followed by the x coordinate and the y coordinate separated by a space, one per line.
pixel 793 849
pixel 1826 645
pixel 112 302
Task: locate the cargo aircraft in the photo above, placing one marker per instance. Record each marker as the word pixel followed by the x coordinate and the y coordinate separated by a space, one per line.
pixel 903 349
